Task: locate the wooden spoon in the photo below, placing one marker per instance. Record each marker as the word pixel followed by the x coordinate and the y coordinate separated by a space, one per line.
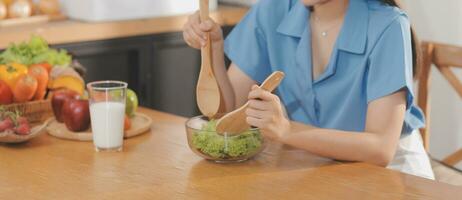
pixel 234 122
pixel 207 90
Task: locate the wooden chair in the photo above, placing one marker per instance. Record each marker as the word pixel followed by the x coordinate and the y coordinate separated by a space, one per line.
pixel 443 57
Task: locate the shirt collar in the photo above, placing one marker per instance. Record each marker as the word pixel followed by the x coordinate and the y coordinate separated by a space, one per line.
pixel 353 35
pixel 295 21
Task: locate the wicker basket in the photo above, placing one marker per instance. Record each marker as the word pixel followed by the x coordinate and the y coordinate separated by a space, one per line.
pixel 34 111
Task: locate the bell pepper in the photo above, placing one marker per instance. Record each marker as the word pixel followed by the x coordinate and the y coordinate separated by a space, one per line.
pixel 11 72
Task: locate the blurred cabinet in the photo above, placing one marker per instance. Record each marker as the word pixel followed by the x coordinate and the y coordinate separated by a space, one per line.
pixel 126 59
pixel 161 68
pixel 175 71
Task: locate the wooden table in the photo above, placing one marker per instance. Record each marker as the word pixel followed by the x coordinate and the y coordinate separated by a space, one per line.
pixel 160 165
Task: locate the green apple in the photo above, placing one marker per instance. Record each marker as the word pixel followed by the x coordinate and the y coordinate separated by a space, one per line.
pixel 85 95
pixel 131 103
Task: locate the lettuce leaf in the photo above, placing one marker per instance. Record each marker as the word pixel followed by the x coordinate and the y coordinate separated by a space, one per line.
pixel 209 142
pixel 35 51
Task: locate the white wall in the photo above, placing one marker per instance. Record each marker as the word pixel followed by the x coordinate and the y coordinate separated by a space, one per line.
pixel 441 21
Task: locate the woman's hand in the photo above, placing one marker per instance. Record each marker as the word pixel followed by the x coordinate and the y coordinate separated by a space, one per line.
pixel 194 31
pixel 265 112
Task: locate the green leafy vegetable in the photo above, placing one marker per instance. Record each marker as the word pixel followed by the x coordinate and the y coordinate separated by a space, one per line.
pixel 35 51
pixel 217 146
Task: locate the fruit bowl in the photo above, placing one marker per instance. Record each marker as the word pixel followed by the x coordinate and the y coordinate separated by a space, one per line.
pixel 10 137
pixel 205 142
pixel 34 111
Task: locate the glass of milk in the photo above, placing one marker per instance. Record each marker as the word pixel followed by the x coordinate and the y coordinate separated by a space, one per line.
pixel 107 113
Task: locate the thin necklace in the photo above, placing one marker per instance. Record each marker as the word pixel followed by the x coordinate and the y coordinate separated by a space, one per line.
pixel 325 32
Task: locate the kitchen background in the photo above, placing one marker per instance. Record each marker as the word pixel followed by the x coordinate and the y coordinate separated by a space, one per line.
pixel 163 70
pixel 441 21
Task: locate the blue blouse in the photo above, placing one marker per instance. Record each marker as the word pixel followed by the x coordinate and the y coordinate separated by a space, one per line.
pixel 371 59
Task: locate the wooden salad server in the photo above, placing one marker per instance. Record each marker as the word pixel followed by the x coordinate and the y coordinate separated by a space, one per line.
pixel 207 90
pixel 234 122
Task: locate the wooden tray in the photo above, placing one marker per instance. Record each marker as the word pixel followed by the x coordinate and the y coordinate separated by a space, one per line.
pixel 36 19
pixel 11 137
pixel 140 124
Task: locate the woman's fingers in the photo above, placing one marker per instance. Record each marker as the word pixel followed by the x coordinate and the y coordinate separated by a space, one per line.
pixel 258 93
pixel 208 26
pixel 258 105
pixel 255 122
pixel 193 36
pixel 195 32
pixel 259 114
pixel 195 25
pixel 189 39
pixel 213 28
pixel 198 39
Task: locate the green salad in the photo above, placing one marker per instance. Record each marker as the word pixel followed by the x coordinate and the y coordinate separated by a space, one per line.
pixel 209 142
pixel 35 51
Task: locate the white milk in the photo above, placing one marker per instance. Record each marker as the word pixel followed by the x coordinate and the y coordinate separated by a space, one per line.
pixel 107 124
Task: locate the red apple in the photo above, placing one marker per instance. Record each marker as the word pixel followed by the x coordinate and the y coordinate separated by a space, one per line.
pixel 76 114
pixel 58 99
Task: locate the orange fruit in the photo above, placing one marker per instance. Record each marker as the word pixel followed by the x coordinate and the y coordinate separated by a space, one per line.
pixel 25 88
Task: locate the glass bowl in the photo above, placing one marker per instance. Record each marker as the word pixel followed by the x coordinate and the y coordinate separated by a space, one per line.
pixel 207 143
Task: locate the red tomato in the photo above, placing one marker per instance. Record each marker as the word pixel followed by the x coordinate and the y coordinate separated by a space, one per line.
pixel 127 123
pixel 6 95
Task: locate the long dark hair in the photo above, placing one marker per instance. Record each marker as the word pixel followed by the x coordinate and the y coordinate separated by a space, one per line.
pixel 416 51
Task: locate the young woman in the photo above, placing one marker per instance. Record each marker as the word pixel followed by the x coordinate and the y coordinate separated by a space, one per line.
pixel 349 73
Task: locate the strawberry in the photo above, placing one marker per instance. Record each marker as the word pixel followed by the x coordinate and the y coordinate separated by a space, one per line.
pixel 22 129
pixel 6 124
pixel 22 120
pixel 14 121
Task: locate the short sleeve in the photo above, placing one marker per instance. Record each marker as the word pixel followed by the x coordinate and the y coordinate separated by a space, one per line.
pixel 246 47
pixel 390 63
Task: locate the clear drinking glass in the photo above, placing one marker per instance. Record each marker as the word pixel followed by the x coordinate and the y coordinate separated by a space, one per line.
pixel 107 113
